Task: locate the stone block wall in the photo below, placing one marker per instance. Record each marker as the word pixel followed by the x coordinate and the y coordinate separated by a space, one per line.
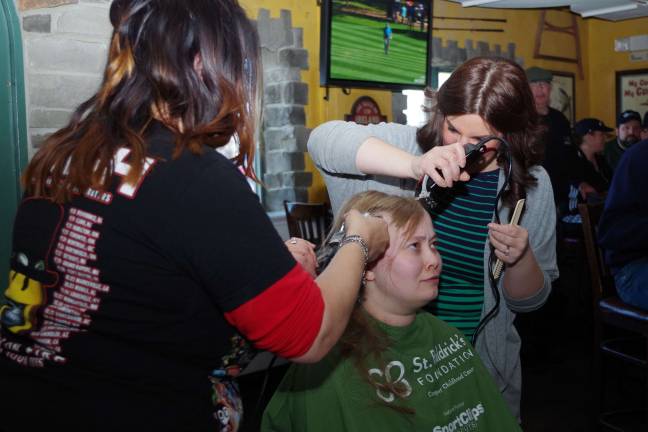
pixel 65 47
pixel 399 104
pixel 451 56
pixel 284 117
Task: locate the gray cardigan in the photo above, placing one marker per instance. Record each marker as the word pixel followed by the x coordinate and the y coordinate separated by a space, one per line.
pixel 333 147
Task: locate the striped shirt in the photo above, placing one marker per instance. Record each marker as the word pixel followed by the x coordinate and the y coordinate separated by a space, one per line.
pixel 460 221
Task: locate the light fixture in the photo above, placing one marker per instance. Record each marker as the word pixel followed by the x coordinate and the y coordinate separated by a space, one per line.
pixel 468 3
pixel 608 10
pixel 605 9
pixel 506 4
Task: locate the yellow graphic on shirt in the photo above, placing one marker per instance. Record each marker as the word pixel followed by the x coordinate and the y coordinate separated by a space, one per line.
pixel 23 297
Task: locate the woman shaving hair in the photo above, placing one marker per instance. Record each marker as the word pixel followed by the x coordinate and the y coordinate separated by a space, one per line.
pixel 482 98
pixel 395 368
pixel 143 267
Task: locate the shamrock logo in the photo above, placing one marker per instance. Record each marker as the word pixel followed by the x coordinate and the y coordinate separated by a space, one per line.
pixel 387 388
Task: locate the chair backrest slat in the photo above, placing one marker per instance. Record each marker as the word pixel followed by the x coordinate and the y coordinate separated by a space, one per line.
pixel 602 281
pixel 310 221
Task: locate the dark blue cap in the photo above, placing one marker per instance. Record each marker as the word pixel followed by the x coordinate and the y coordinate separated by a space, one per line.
pixel 587 125
pixel 627 116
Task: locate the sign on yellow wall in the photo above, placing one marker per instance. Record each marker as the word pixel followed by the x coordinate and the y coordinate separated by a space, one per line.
pixel 365 111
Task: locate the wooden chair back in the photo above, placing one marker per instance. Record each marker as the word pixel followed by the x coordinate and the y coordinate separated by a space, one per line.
pixel 602 280
pixel 628 340
pixel 310 221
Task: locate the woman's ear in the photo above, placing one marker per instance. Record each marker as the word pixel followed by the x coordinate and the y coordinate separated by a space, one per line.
pixel 198 64
pixel 369 276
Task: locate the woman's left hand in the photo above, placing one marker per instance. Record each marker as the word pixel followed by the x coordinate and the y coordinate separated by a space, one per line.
pixel 511 242
pixel 303 252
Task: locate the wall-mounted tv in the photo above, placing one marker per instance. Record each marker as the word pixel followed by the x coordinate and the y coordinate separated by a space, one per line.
pixel 376 43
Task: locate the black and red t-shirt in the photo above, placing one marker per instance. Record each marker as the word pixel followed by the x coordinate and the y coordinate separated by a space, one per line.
pixel 123 306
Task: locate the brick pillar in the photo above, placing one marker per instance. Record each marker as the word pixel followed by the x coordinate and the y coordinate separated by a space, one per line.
pixel 399 104
pixel 284 134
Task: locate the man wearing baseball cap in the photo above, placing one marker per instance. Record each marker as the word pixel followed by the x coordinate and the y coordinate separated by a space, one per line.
pixel 559 152
pixel 592 169
pixel 628 133
pixel 590 135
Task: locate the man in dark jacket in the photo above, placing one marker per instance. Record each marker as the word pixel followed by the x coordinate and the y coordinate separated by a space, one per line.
pixel 560 154
pixel 623 230
pixel 628 133
pixel 589 138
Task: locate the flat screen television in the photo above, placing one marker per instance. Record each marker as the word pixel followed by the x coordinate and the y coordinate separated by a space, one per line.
pixel 383 44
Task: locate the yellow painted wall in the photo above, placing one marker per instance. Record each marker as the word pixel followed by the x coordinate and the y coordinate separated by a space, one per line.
pixel 594 92
pixel 603 62
pixel 520 28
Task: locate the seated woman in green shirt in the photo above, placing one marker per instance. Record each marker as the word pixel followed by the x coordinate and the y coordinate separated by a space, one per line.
pixel 394 368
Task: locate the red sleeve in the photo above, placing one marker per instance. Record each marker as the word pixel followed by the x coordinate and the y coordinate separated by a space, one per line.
pixel 285 318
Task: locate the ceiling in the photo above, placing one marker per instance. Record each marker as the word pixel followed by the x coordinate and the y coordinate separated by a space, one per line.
pixel 613 10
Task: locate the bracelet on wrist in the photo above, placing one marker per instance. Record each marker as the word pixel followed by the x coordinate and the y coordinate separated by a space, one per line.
pixel 363 246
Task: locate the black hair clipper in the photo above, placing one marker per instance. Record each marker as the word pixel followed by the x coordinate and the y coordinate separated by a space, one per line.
pixel 474 152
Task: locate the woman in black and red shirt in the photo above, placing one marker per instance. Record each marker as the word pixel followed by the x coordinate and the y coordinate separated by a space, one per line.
pixel 142 263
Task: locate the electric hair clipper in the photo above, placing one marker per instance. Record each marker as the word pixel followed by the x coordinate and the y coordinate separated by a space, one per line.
pixel 474 152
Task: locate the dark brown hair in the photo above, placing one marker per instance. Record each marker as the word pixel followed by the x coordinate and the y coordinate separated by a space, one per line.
pixel 497 90
pixel 191 64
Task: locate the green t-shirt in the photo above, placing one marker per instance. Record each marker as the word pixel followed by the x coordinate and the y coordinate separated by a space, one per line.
pixel 438 372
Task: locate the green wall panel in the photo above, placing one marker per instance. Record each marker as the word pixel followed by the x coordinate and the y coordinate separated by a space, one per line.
pixel 13 129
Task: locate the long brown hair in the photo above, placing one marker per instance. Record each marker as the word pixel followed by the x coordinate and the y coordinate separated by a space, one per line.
pixel 497 90
pixel 194 65
pixel 363 339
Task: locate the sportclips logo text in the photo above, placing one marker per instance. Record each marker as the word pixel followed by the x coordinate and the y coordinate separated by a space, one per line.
pixel 464 420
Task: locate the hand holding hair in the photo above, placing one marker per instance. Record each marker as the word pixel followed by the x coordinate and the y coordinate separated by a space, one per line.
pixel 372 229
pixel 303 252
